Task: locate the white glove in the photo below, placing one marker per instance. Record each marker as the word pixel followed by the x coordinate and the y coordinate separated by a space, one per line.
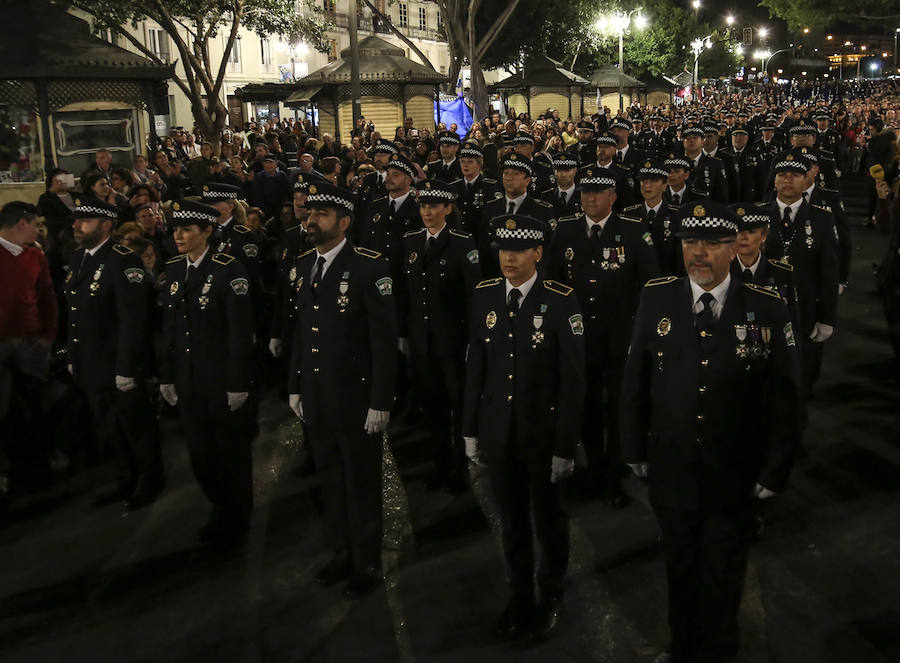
pixel 639 469
pixel 377 421
pixel 403 346
pixel 125 384
pixel 71 369
pixel 821 332
pixel 236 399
pixel 561 468
pixel 762 492
pixel 167 391
pixel 296 405
pixel 842 287
pixel 472 452
pixel 275 347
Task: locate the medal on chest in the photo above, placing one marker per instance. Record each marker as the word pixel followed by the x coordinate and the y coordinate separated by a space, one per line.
pixel 343 300
pixel 809 240
pixel 173 289
pixel 667 232
pixel 95 283
pixel 537 336
pixel 203 299
pixel 292 275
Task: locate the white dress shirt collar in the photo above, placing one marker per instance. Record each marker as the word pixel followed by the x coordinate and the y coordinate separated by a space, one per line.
pixel 92 252
pixel 680 193
pixel 525 288
pixel 517 202
pixel 15 249
pixel 399 200
pixel 590 223
pixel 719 293
pixel 647 208
pixel 196 263
pixel 435 234
pixel 795 207
pixel 752 267
pixel 329 258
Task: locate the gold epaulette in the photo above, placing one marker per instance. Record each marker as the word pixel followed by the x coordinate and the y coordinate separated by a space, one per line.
pixel 222 258
pixel 379 199
pixel 489 180
pixel 763 291
pixel 306 253
pixel 464 235
pixel 662 280
pixel 175 259
pixel 489 282
pixel 458 179
pixel 368 253
pixel 631 207
pixel 821 207
pixel 558 288
pixel 630 218
pixel 542 202
pixel 122 250
pixel 414 232
pixel 781 264
pixel 242 228
pixel 573 217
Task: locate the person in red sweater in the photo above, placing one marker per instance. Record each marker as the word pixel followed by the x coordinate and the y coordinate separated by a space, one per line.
pixel 28 311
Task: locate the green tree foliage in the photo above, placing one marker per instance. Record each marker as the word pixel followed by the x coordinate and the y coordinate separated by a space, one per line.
pixel 801 14
pixel 191 24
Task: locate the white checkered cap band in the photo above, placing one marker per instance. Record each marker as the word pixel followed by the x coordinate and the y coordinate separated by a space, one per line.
pixel 399 165
pixel 314 198
pixel 520 165
pixel 598 181
pixel 710 222
pixel 693 131
pixel 792 165
pixel 436 193
pixel 96 211
pixel 193 215
pixel 755 218
pixel 385 148
pixel 471 153
pixel 564 163
pixel 678 162
pixel 519 233
pixel 452 140
pixel 606 140
pixel 653 171
pixel 219 195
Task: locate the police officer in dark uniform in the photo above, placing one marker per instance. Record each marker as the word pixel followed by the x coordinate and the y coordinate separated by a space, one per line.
pixel 657 142
pixel 207 368
pixel 372 186
pixel 661 218
pixel 108 298
pixel 745 165
pixel 542 179
pixel 606 166
pixel 607 258
pixel 341 382
pixel 522 408
pixel 442 269
pixel 564 196
pixel 447 167
pixel 804 135
pixel 473 190
pixel 516 172
pixel 703 347
pixel 678 192
pixel 585 150
pixel 626 156
pixel 828 139
pixel 805 236
pixel 751 265
pixel 707 176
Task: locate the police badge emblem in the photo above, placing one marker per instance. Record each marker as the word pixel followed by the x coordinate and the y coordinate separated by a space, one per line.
pixel 490 320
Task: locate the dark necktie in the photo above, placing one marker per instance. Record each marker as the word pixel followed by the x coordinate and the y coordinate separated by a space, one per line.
pixel 512 208
pixel 595 234
pixel 469 188
pixel 429 245
pixel 512 301
pixel 393 207
pixel 748 275
pixel 84 257
pixel 562 198
pixel 805 196
pixel 317 279
pixel 651 217
pixel 618 157
pixel 676 199
pixel 786 219
pixel 191 275
pixel 706 320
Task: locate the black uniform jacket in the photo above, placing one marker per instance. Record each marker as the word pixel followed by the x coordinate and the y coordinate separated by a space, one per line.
pixel 207 327
pixel 344 355
pixel 681 406
pixel 108 297
pixel 437 292
pixel 525 376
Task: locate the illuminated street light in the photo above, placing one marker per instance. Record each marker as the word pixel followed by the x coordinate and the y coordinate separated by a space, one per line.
pixel 696 4
pixel 763 32
pixel 806 31
pixel 829 37
pixel 618 24
pixel 729 19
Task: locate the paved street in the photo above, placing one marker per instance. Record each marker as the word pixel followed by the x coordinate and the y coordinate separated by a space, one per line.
pixel 82 585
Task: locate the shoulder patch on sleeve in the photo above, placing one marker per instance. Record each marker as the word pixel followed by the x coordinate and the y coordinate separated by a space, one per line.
pixel 368 253
pixel 662 280
pixel 414 232
pixel 122 250
pixel 558 288
pixel 222 258
pixel 763 291
pixel 175 259
pixel 544 203
pixel 781 264
pixel 488 283
pixel 458 233
pixel 242 229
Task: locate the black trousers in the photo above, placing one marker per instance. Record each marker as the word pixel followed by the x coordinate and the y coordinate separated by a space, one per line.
pixel 811 363
pixel 530 506
pixel 349 465
pixel 219 443
pixel 125 421
pixel 600 431
pixel 706 560
pixel 440 384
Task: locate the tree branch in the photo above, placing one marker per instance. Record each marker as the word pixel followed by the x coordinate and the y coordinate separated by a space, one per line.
pixel 237 13
pixel 400 35
pixel 491 34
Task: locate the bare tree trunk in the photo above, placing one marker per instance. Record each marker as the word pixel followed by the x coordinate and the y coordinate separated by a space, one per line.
pixel 402 37
pixel 480 97
pixel 455 68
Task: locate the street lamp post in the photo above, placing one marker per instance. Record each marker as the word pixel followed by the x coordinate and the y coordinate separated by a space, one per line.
pixel 697 46
pixel 896 32
pixel 619 23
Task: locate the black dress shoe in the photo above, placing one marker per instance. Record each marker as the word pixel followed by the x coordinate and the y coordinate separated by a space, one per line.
pixel 515 620
pixel 116 493
pixel 546 619
pixel 360 584
pixel 339 568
